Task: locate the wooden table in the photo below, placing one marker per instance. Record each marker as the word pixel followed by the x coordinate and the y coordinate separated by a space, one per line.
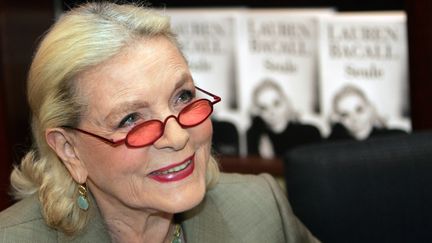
pixel 251 165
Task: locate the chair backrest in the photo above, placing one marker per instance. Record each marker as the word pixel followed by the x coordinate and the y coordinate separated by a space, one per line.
pixel 378 190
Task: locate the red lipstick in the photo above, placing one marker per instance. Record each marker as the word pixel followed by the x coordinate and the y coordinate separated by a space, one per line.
pixel 174 172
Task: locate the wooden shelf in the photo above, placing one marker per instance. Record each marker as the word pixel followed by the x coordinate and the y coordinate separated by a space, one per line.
pixel 251 165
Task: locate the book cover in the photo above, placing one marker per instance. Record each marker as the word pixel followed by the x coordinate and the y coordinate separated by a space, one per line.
pixel 364 74
pixel 277 77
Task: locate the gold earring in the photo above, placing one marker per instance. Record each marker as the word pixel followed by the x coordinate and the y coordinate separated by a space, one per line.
pixel 82 200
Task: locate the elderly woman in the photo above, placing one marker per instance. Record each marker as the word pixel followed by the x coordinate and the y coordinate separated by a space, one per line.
pixel 355 117
pixel 122 144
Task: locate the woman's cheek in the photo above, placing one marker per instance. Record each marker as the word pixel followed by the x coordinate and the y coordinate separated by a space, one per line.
pixel 202 134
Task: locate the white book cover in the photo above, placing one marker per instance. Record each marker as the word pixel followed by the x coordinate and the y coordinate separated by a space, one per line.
pixel 365 55
pixel 278 48
pixel 207 37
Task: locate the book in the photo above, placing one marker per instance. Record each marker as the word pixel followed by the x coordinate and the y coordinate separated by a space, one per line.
pixel 365 55
pixel 278 48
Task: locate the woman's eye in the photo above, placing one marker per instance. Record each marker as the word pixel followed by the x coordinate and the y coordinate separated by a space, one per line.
pixel 128 120
pixel 185 96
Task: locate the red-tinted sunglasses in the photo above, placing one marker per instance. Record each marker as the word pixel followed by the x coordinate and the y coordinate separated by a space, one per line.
pixel 148 132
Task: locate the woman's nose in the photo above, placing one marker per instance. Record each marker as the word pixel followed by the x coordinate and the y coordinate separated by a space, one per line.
pixel 174 136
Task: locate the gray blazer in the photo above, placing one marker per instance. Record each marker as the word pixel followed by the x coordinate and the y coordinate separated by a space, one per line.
pixel 241 208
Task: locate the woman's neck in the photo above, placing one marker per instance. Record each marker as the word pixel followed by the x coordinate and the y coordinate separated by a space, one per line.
pixel 132 225
pixel 154 228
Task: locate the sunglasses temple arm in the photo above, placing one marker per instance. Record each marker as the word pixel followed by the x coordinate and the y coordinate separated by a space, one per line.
pixel 108 141
pixel 215 97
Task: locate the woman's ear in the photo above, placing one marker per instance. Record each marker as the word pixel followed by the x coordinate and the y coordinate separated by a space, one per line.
pixel 63 145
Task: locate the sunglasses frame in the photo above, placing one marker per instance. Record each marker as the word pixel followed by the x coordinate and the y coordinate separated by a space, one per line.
pixel 114 143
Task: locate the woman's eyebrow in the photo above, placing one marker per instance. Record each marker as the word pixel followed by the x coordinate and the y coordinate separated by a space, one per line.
pixel 129 106
pixel 124 108
pixel 182 79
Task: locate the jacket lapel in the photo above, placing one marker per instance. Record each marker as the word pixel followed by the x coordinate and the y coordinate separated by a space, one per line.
pixel 206 223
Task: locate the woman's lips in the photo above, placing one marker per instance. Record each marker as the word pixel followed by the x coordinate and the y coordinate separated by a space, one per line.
pixel 174 172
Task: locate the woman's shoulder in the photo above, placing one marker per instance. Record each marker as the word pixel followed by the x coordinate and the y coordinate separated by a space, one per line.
pixel 246 189
pixel 23 211
pixel 234 181
pixel 240 208
pixel 23 222
pixel 238 195
pixel 255 205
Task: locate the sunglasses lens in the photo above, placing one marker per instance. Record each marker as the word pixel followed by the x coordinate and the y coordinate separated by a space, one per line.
pixel 145 133
pixel 148 132
pixel 195 113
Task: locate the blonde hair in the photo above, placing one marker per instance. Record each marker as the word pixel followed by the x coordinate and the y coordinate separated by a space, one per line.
pixel 81 38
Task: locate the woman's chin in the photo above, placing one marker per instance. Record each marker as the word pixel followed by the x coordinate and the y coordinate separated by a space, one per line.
pixel 187 195
pixel 186 201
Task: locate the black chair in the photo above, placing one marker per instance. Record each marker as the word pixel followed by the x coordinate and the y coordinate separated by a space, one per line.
pixel 379 190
